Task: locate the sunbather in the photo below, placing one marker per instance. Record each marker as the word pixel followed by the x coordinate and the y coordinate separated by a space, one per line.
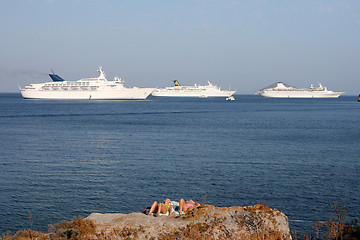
pixel 161 208
pixel 187 206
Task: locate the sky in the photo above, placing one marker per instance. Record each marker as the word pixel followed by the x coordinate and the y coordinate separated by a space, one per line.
pixel 241 45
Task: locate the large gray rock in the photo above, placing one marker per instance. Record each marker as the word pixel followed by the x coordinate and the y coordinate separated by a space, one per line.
pixel 205 222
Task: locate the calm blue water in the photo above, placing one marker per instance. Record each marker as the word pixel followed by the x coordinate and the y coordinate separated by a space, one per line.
pixel 61 159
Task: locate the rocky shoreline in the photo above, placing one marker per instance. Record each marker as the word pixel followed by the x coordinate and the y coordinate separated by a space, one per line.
pixel 206 222
pixel 203 222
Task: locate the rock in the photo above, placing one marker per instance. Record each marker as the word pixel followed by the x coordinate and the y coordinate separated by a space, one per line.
pixel 205 222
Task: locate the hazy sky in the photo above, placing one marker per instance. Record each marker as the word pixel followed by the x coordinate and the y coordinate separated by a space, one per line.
pixel 245 45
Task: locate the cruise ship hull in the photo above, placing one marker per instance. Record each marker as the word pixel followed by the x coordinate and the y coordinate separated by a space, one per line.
pixel 295 94
pixel 123 94
pixel 222 94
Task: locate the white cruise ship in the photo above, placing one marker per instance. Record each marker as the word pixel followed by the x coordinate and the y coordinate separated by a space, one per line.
pixel 192 91
pixel 87 88
pixel 282 90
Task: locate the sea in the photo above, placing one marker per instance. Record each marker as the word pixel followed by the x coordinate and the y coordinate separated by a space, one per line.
pixel 61 159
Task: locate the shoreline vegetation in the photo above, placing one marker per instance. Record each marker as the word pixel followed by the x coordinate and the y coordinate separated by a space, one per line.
pixel 204 222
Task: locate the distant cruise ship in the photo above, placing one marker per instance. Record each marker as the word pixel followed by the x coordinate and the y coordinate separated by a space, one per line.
pixel 282 90
pixel 86 88
pixel 192 91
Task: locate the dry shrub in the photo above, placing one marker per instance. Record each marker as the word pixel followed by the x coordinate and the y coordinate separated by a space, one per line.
pixel 78 228
pixel 352 230
pixel 6 236
pixel 30 235
pixel 335 228
pixel 25 235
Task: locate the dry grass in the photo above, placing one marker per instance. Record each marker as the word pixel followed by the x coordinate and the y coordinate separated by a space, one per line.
pixel 25 235
pixel 78 228
pixel 335 228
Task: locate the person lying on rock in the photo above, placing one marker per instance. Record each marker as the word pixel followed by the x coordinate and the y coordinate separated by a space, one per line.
pixel 161 208
pixel 187 206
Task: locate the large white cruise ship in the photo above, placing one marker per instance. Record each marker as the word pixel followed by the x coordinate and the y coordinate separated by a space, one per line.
pixel 192 91
pixel 282 90
pixel 87 88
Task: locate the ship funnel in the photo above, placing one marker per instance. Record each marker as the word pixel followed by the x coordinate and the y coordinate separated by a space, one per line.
pixel 102 74
pixel 55 78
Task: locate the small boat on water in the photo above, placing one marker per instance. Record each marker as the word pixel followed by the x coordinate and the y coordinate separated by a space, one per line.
pixel 231 98
pixel 358 98
pixel 282 90
pixel 98 88
pixel 205 91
